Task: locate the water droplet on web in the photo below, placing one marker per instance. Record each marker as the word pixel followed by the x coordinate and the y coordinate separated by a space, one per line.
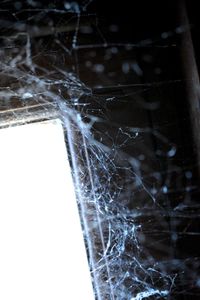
pixel 165 189
pixel 27 95
pixel 125 67
pixel 171 152
pixel 99 68
pixel 188 174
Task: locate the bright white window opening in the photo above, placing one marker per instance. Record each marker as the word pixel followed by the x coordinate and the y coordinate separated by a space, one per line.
pixel 42 252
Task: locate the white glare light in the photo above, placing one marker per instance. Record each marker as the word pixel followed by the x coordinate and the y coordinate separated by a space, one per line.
pixel 42 252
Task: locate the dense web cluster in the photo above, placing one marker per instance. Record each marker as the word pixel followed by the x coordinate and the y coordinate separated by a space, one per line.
pixel 134 207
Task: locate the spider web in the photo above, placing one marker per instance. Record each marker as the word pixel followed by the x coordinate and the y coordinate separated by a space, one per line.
pixel 133 210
